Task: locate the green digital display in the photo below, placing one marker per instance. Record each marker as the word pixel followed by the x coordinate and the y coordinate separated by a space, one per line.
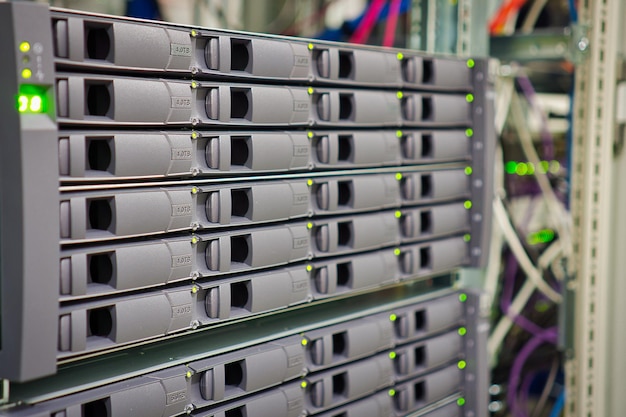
pixel 32 99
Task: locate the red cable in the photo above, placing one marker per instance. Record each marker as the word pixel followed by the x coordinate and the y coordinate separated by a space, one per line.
pixel 498 22
pixel 362 32
pixel 392 23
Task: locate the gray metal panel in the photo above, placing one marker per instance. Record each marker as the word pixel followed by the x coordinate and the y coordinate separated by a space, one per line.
pixel 28 196
pixel 432 257
pixel 425 390
pixel 347 383
pixel 348 341
pixel 432 221
pixel 417 358
pixel 432 146
pixel 377 405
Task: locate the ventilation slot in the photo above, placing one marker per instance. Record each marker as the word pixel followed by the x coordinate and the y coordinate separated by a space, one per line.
pixel 420 356
pixel 426 182
pixel 343 274
pixel 345 64
pixel 339 343
pixel 235 412
pixel 344 190
pixel 233 373
pixel 427 72
pixel 97 41
pixel 98 408
pixel 239 151
pixel 345 106
pixel 98 154
pixel 239 103
pixel 100 268
pixel 240 54
pixel 427 109
pixel 419 391
pixel 427 146
pixel 240 202
pixel 424 258
pixel 100 213
pixel 239 249
pixel 425 222
pixel 97 98
pixel 345 147
pixel 239 294
pixel 345 233
pixel 420 320
pixel 100 322
pixel 339 384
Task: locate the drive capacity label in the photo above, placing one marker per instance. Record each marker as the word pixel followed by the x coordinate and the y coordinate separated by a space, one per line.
pixel 178 49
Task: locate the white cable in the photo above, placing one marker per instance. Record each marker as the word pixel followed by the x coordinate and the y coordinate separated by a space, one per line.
pixel 533 15
pixel 504 325
pixel 506 89
pixel 520 254
pixel 557 212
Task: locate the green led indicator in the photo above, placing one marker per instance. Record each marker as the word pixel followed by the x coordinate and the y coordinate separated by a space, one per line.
pixel 397 251
pixel 469 98
pixel 460 402
pixel 462 331
pixel 398 133
pixel 399 94
pixel 309 225
pixel 309 135
pixel 304 342
pixel 310 90
pixel 398 214
pixel 471 63
pixel 467 237
pixel 392 355
pixel 393 317
pixel 303 384
pixel 541 236
pixel 398 176
pixel 31 99
pixel 544 166
pixel 461 364
pixel 521 169
pixel 468 170
pixel 510 167
pixel 311 46
pixel 462 297
pixel 399 56
pixel 469 132
pixel 467 204
pixel 391 392
pixel 555 167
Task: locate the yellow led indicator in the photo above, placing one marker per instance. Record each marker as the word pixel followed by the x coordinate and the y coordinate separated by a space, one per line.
pixel 391 392
pixel 311 46
pixel 310 135
pixel 467 237
pixel 462 331
pixel 398 214
pixel 398 133
pixel 194 289
pixel 400 56
pixel 304 342
pixel 194 135
pixel 309 225
pixel 188 374
pixel 467 204
pixel 194 240
pixel 24 47
pixel 310 90
pixel 194 33
pixel 398 176
pixel 27 73
pixel 194 190
pixel 469 98
pixel 462 297
pixel 470 63
pixel 194 84
pixel 469 132
pixel 309 182
pixel 303 384
pixel 461 364
pixel 460 402
pixel 393 317
pixel 392 355
pixel 397 251
pixel 468 170
pixel 309 268
pixel 399 94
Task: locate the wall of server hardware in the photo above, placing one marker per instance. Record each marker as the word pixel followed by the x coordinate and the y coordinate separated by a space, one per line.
pixel 216 223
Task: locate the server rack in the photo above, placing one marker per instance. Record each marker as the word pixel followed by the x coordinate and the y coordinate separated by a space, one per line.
pixel 162 183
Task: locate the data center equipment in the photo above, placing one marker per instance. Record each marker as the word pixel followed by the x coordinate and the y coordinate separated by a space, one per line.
pixel 216 223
